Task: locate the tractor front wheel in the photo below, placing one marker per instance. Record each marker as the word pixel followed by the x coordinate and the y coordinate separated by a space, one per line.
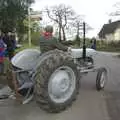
pixel 101 78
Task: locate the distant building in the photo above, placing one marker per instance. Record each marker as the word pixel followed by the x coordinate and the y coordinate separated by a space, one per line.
pixel 36 15
pixel 110 31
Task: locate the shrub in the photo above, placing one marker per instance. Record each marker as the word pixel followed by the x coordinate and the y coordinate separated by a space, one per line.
pixel 35 38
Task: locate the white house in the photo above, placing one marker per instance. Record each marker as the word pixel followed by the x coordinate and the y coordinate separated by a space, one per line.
pixel 110 32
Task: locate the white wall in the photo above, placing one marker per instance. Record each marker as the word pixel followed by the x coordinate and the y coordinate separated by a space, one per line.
pixel 117 35
pixel 113 37
pixel 109 37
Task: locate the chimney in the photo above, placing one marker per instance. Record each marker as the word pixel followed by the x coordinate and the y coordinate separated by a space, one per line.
pixel 110 21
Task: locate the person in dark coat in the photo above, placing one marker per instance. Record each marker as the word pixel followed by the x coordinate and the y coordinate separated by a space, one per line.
pixel 11 44
pixel 2 54
pixel 93 43
pixel 49 42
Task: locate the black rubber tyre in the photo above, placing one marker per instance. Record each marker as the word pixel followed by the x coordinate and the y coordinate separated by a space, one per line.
pixel 98 78
pixel 48 65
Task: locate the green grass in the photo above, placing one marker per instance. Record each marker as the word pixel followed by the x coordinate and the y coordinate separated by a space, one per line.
pixel 108 49
pixel 25 46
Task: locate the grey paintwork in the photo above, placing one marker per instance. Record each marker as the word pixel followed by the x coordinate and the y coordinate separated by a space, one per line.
pixel 30 60
pixel 26 59
pixel 61 84
pixel 77 53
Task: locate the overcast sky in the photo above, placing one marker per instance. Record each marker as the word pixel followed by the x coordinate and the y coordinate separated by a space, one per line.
pixel 95 11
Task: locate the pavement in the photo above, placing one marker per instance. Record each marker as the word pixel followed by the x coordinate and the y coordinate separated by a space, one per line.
pixel 90 104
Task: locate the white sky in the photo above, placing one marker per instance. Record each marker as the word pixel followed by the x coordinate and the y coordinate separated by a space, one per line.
pixel 95 11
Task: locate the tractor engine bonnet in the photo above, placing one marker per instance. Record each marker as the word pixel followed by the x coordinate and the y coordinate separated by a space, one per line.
pixel 77 53
pixel 26 59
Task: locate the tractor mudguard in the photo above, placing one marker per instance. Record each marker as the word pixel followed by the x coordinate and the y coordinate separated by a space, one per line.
pixel 26 59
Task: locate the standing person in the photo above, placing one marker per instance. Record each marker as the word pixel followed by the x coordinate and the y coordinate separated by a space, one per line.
pixel 12 46
pixel 2 54
pixel 93 43
pixel 6 40
pixel 10 41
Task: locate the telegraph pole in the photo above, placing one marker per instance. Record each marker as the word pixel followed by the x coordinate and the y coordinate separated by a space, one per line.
pixel 84 45
pixel 29 28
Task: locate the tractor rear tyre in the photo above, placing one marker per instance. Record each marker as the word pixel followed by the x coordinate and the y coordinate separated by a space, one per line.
pixel 57 82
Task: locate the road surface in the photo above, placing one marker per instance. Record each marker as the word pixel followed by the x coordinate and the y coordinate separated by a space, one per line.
pixel 90 104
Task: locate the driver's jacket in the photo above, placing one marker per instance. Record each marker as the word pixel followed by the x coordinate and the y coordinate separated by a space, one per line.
pixel 50 43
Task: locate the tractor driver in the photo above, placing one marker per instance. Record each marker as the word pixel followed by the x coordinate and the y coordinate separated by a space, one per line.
pixel 49 42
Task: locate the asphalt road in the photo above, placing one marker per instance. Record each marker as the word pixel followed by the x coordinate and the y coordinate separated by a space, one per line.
pixel 90 104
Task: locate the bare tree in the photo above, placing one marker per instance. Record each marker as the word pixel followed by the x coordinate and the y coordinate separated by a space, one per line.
pixel 117 11
pixel 77 24
pixel 60 14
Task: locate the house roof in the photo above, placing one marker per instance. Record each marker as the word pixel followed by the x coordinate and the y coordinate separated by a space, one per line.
pixel 108 28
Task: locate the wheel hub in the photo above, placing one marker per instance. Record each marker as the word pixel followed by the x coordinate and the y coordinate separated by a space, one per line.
pixel 61 84
pixel 64 85
pixel 102 81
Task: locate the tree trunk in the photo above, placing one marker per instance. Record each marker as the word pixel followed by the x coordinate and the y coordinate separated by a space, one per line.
pixel 60 33
pixel 78 29
pixel 78 35
pixel 64 35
